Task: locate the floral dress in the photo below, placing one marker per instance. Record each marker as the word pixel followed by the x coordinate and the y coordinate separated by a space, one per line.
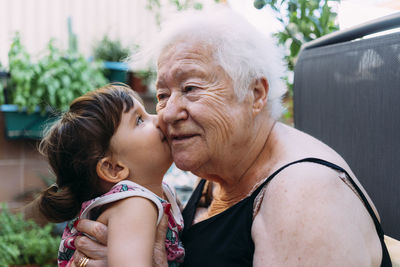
pixel 125 189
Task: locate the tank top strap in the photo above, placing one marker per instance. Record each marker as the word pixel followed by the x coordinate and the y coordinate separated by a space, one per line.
pixel 272 176
pixel 189 211
pixel 335 167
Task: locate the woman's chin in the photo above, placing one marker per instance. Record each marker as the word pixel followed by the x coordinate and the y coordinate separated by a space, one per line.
pixel 186 164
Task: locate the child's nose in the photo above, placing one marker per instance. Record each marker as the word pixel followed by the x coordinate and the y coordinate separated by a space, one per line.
pixel 154 119
pixel 158 122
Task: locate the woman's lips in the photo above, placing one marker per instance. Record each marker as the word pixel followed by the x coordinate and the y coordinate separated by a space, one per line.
pixel 163 137
pixel 180 138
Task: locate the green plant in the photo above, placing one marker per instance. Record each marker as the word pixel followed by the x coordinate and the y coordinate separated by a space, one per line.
pixel 146 75
pixel 302 21
pixel 2 99
pixel 109 50
pixel 24 242
pixel 54 81
pixel 179 5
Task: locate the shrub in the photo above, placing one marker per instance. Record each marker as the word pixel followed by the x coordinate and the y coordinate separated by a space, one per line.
pixel 110 50
pixel 24 242
pixel 54 80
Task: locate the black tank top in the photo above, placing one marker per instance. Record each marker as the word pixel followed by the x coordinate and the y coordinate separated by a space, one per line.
pixel 225 239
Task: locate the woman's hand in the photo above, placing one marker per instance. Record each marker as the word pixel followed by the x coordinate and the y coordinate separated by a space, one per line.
pixel 159 252
pixel 96 251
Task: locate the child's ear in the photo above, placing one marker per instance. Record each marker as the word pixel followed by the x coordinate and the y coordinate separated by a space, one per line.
pixel 111 171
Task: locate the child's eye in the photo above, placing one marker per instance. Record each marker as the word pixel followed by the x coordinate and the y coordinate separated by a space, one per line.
pixel 139 120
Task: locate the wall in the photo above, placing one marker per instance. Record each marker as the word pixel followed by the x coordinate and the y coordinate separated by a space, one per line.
pixel 40 20
pixel 21 167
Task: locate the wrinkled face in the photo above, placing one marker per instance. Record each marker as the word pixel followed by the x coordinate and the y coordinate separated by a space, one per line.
pixel 198 109
pixel 140 144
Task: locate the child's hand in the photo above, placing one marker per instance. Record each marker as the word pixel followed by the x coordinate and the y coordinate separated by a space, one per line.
pixel 96 251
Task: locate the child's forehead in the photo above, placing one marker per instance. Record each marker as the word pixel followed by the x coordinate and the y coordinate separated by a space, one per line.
pixel 136 97
pixel 137 104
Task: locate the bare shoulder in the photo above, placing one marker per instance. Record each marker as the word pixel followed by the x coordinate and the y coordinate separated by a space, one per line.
pixel 298 144
pixel 309 217
pixel 128 208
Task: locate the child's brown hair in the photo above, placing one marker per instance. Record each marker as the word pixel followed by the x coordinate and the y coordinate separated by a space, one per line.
pixel 74 145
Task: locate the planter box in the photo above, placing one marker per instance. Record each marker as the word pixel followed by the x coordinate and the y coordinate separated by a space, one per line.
pixel 19 124
pixel 116 71
pixel 119 72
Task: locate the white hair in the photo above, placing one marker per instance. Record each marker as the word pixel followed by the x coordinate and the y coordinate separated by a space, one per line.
pixel 239 48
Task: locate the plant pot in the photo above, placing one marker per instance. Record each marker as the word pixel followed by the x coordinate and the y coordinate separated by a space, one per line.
pixel 21 125
pixel 116 71
pixel 136 83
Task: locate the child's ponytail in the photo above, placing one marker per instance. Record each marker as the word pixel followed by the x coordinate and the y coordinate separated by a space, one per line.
pixel 58 205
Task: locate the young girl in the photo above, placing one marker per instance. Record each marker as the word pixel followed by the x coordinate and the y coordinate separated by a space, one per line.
pixel 109 157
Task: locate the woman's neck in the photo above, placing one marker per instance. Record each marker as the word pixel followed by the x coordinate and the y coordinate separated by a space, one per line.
pixel 228 192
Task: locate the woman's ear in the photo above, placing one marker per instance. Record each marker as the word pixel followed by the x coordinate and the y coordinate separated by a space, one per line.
pixel 260 94
pixel 111 171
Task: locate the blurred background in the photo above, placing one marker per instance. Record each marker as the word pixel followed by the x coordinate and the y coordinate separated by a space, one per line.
pixel 52 51
pixel 104 33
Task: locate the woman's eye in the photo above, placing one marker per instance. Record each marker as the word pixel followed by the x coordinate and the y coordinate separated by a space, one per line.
pixel 161 96
pixel 139 120
pixel 189 88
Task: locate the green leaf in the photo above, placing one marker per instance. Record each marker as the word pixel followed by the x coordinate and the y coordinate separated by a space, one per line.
pixel 292 7
pixel 304 20
pixel 49 81
pixel 325 16
pixel 198 6
pixel 23 242
pixel 295 48
pixel 317 27
pixel 2 100
pixel 259 3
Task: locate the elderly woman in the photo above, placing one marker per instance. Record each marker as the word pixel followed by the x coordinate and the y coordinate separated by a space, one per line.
pixel 270 195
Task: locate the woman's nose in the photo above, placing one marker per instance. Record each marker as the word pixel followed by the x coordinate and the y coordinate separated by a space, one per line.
pixel 174 110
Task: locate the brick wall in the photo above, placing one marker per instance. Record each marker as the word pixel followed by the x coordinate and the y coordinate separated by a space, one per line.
pixel 21 167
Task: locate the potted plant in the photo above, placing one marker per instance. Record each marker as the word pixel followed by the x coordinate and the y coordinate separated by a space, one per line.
pixel 3 80
pixel 112 53
pixel 24 243
pixel 140 80
pixel 38 90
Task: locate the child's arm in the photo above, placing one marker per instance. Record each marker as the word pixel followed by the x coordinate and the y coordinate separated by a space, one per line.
pixel 131 232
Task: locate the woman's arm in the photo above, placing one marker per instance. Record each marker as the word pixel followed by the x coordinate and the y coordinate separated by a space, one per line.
pixel 309 217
